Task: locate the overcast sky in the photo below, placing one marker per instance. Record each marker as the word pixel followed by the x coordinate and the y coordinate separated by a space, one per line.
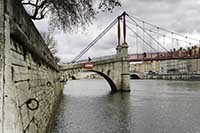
pixel 182 16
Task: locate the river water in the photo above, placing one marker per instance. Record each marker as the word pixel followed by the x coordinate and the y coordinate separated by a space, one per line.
pixel 153 106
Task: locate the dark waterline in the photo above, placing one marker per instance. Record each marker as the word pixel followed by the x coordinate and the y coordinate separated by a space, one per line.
pixel 151 107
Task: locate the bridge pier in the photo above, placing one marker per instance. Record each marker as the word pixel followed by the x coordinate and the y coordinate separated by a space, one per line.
pixel 123 69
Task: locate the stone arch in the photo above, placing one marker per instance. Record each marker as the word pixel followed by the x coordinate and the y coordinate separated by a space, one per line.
pixel 134 76
pixel 69 75
pixel 102 70
pixel 107 78
pixel 73 77
pixel 108 72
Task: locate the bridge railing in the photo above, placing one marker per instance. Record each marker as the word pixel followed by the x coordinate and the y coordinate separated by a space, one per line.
pixel 93 59
pixel 179 54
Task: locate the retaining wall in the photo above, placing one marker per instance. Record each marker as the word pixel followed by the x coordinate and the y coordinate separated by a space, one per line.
pixel 1 60
pixel 188 77
pixel 29 74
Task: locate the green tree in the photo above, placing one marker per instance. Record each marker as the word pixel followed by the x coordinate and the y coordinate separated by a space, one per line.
pixel 66 14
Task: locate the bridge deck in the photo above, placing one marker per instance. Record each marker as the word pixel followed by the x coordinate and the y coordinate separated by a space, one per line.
pixel 163 56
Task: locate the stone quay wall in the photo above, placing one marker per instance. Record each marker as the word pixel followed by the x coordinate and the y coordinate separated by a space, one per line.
pixel 188 77
pixel 30 87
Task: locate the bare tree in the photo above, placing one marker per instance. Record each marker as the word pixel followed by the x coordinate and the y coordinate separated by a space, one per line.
pixel 65 14
pixel 49 41
pixel 51 44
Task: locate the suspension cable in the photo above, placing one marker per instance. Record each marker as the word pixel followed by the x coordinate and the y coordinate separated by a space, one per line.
pixel 136 39
pixel 95 40
pixel 143 28
pixel 147 33
pixel 141 38
pixel 158 38
pixel 147 29
pixel 175 33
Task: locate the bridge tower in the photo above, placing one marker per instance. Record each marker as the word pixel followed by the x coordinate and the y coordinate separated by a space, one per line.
pixel 122 75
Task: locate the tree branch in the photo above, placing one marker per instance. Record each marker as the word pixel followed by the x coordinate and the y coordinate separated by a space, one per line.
pixel 29 3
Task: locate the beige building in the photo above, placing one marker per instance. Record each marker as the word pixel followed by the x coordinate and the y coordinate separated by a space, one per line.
pixel 143 68
pixel 191 66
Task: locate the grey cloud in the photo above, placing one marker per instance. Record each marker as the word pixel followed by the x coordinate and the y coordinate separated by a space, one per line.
pixel 175 15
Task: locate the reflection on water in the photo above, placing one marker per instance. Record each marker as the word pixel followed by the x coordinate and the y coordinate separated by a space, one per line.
pixel 151 107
